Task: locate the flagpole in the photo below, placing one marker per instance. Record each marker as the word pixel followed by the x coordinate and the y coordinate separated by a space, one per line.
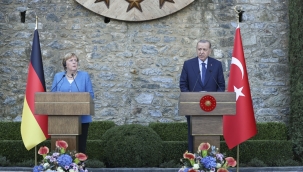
pixel 36 145
pixel 35 155
pixel 238 158
pixel 238 149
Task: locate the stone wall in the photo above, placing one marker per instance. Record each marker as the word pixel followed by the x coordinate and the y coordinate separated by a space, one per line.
pixel 135 66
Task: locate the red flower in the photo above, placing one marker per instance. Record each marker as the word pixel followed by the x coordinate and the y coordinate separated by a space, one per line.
pixel 231 162
pixel 222 170
pixel 188 155
pixel 192 170
pixel 81 156
pixel 61 144
pixel 204 146
pixel 43 150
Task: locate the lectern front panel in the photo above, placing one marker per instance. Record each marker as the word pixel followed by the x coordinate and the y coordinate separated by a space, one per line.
pixel 64 125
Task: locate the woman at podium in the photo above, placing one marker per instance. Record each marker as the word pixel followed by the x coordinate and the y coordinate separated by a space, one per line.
pixel 72 80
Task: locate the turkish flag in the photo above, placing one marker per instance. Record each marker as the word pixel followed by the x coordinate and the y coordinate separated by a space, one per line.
pixel 242 126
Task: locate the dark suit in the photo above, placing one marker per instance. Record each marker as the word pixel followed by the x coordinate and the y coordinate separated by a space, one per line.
pixel 190 81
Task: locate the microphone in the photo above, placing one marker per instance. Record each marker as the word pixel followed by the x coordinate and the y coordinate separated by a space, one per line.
pixel 199 75
pixel 75 82
pixel 57 83
pixel 216 82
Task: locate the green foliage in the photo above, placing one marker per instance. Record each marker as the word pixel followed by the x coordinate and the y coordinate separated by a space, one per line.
pixel 132 145
pixel 3 161
pixel 94 163
pixel 288 162
pixel 255 162
pixel 295 127
pixel 271 131
pixel 267 151
pixel 98 128
pixel 10 131
pixel 173 150
pixel 95 149
pixel 269 145
pixel 26 163
pixel 170 131
pixel 170 164
pixel 15 151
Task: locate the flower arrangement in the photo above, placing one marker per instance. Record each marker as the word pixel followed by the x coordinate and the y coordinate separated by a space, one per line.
pixel 60 160
pixel 206 161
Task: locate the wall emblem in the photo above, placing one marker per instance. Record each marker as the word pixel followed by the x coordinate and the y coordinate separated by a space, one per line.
pixel 134 10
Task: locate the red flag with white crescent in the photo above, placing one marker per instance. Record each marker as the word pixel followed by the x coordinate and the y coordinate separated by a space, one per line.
pixel 242 126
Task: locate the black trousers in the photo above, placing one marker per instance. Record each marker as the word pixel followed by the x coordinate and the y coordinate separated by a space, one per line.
pixel 83 138
pixel 189 136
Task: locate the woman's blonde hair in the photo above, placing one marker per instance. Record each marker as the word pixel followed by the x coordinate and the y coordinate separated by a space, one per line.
pixel 68 56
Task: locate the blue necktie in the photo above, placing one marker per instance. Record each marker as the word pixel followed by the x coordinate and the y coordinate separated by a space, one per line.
pixel 203 73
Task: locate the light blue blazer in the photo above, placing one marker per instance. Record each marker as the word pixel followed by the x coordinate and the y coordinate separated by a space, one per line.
pixel 82 82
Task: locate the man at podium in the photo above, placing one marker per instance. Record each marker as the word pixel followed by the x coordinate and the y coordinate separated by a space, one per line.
pixel 202 73
pixel 72 80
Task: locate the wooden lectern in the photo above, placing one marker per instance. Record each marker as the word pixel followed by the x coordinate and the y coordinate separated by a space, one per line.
pixel 207 126
pixel 64 110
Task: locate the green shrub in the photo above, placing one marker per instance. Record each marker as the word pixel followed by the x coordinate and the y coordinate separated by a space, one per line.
pixel 3 161
pixel 132 145
pixel 94 163
pixel 98 128
pixel 170 131
pixel 256 163
pixel 170 164
pixel 26 163
pixel 271 131
pixel 265 150
pixel 10 131
pixel 173 150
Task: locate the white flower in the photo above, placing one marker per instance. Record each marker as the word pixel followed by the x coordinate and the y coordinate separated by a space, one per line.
pixel 49 170
pixel 196 166
pixel 46 165
pixel 59 169
pixel 219 165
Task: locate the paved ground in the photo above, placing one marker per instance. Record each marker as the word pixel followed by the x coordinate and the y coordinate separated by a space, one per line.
pixel 247 169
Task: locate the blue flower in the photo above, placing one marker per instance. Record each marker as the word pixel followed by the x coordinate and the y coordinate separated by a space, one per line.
pixel 64 160
pixel 209 162
pixel 38 168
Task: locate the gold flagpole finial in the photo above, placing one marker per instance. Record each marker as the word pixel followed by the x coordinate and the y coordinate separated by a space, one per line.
pixel 36 22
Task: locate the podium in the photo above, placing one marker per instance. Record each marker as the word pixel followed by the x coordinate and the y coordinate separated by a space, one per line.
pixel 207 126
pixel 64 110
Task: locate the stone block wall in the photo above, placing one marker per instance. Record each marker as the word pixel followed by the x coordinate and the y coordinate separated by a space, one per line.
pixel 135 66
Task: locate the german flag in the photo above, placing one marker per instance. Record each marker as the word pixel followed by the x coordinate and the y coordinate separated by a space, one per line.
pixel 34 127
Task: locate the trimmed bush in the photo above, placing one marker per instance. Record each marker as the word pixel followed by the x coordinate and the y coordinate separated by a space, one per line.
pixel 132 145
pixel 170 131
pixel 98 128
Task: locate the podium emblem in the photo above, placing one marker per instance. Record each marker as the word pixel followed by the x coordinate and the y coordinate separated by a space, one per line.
pixel 208 103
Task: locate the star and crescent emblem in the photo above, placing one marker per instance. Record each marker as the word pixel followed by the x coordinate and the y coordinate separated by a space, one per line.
pixel 238 63
pixel 134 10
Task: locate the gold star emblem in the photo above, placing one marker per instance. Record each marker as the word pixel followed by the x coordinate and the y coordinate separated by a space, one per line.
pixel 162 2
pixel 134 3
pixel 106 2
